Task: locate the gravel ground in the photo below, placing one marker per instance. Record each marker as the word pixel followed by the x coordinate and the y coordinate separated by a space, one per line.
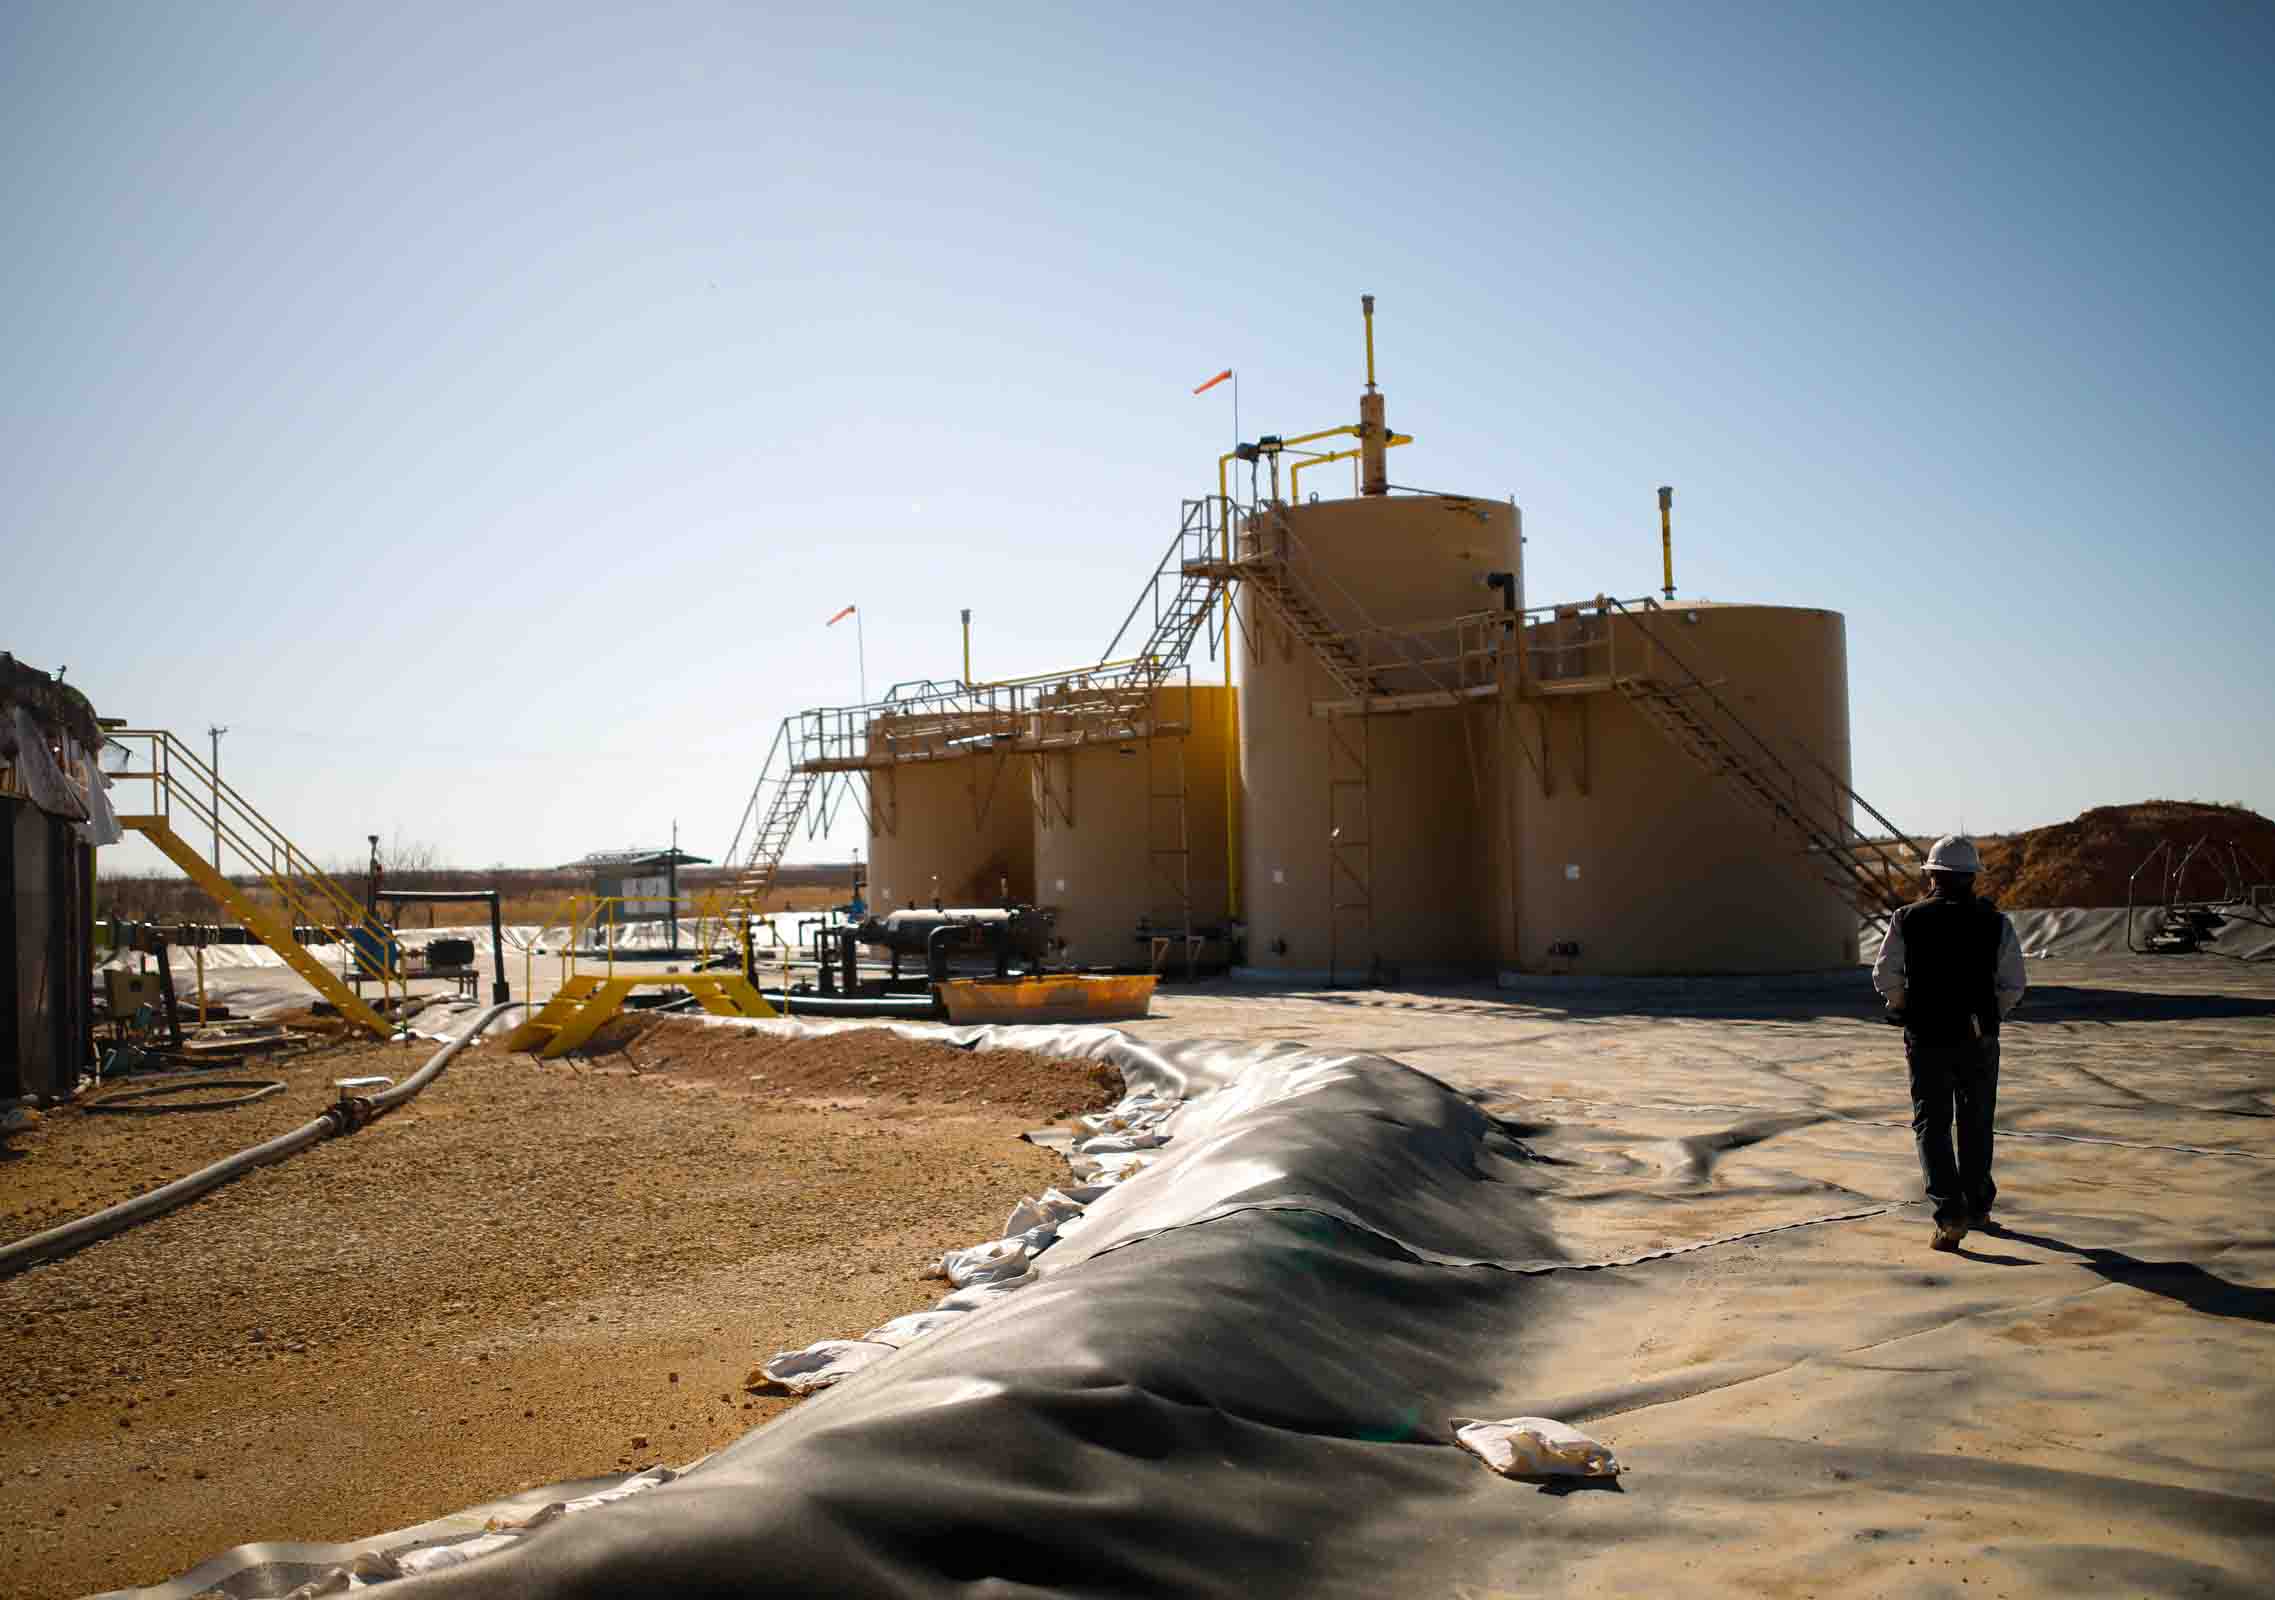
pixel 531 1273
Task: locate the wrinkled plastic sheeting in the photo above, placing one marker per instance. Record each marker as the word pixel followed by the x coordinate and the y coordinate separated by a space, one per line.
pixel 821 1364
pixel 1535 1447
pixel 2074 932
pixel 36 770
pixel 1213 1381
pixel 381 1566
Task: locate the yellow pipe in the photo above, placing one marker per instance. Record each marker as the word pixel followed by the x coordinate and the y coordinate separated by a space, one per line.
pixel 1667 536
pixel 1347 429
pixel 1231 783
pixel 1231 732
pixel 1366 305
pixel 967 647
pixel 1296 471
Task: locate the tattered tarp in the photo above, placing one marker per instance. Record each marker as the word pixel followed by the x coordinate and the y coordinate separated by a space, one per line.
pixel 58 708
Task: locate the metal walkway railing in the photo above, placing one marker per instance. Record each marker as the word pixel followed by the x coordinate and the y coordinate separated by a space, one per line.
pixel 185 792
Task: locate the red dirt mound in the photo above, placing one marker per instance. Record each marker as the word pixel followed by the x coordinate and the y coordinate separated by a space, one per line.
pixel 2086 862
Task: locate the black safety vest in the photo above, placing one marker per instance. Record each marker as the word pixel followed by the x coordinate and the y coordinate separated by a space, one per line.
pixel 1951 966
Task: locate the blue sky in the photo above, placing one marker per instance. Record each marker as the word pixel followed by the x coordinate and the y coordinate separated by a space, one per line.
pixel 480 413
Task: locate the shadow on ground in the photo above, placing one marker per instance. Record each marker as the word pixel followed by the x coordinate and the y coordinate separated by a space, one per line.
pixel 2194 1287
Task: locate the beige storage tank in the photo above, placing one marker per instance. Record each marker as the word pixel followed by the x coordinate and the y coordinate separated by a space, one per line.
pixel 960 827
pixel 1425 809
pixel 1630 858
pixel 1114 848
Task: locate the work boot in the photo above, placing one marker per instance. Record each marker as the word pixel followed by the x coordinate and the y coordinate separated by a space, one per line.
pixel 1948 1235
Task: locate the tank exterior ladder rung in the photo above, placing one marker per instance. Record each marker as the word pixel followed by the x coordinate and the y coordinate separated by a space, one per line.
pixel 1350 843
pixel 1169 855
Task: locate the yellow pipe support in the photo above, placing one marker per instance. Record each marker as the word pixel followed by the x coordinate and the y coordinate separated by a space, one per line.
pixel 1295 473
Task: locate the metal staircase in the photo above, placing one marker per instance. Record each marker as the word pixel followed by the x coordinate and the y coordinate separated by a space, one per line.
pixel 1272 582
pixel 1179 597
pixel 770 819
pixel 184 789
pixel 1813 811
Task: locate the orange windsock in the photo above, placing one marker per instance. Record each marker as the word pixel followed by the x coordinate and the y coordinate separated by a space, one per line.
pixel 1213 382
pixel 840 617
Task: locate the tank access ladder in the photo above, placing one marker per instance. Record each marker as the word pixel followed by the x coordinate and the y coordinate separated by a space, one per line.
pixel 1271 567
pixel 769 822
pixel 1180 596
pixel 1686 710
pixel 183 786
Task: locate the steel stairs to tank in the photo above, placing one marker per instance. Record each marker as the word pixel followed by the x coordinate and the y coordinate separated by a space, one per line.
pixel 1184 589
pixel 1112 700
pixel 182 784
pixel 1683 706
pixel 786 787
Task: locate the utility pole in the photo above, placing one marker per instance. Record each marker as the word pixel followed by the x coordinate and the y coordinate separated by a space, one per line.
pixel 215 734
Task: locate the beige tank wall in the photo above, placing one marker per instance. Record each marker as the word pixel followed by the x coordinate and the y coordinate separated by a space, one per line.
pixel 969 822
pixel 1093 849
pixel 1675 874
pixel 1406 560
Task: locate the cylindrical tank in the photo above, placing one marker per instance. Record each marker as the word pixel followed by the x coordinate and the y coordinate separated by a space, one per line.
pixel 1364 839
pixel 1630 858
pixel 1130 835
pixel 959 827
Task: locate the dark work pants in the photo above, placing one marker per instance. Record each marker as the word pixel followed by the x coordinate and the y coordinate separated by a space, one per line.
pixel 1955 1083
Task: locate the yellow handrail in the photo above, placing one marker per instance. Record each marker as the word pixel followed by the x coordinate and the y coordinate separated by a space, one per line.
pixel 308 896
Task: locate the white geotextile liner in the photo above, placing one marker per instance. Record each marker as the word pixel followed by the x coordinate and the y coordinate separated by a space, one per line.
pixel 1235 1377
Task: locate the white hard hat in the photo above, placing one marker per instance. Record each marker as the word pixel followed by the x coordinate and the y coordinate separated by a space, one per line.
pixel 1954 853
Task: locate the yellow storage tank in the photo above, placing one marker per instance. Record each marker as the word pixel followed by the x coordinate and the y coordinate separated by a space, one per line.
pixel 1365 839
pixel 1131 833
pixel 1630 858
pixel 958 825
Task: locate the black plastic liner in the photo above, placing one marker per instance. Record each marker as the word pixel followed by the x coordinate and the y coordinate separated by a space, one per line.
pixel 1234 1376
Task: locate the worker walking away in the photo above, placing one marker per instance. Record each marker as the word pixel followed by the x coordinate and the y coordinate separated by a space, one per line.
pixel 1950 970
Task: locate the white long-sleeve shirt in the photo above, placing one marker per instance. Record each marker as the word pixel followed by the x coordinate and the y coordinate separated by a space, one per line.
pixel 2011 981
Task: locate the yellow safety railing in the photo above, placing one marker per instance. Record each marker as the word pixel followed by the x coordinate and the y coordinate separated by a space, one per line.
pixel 590 923
pixel 193 803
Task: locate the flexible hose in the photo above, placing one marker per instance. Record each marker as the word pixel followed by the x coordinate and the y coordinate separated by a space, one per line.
pixel 349 1115
pixel 150 1102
